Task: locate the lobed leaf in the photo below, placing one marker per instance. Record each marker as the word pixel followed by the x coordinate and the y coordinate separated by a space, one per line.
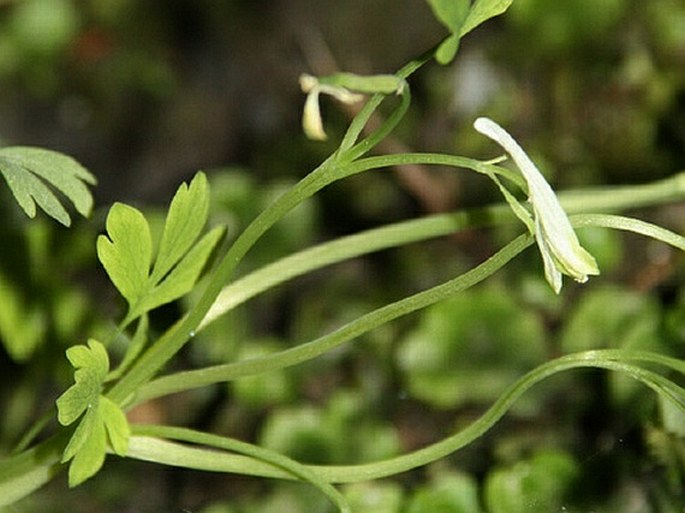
pixel 103 419
pixel 91 364
pixel 116 425
pixel 452 14
pixel 90 455
pixel 28 171
pixel 481 11
pixel 126 252
pixel 186 217
pixel 183 276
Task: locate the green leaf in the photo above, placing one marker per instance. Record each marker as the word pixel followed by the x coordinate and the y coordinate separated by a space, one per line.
pixel 468 348
pixel 448 492
pixel 116 425
pixel 91 364
pixel 536 485
pixel 452 14
pixel 483 10
pixel 29 171
pixel 126 252
pixel 186 218
pixel 22 326
pixel 90 456
pixel 81 433
pixel 103 419
pixel 181 279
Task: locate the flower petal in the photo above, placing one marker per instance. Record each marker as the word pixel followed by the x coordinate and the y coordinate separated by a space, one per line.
pixel 556 238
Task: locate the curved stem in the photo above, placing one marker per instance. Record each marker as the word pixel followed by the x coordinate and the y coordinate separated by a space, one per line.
pixel 276 460
pixel 219 373
pixel 162 451
pixel 24 473
pixel 405 232
pixel 362 118
pixel 156 356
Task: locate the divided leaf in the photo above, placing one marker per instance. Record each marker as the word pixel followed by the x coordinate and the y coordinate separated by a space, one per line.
pixel 28 172
pixel 461 17
pixel 452 14
pixel 481 11
pixel 126 250
pixel 183 276
pixel 91 364
pixel 103 420
pixel 184 222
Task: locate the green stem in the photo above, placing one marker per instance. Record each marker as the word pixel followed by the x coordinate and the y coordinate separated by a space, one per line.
pixel 405 232
pixel 161 451
pixel 166 346
pixel 169 344
pixel 362 118
pixel 303 352
pixel 276 460
pixel 24 473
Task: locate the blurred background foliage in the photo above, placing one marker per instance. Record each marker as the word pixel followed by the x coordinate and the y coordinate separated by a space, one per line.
pixel 144 93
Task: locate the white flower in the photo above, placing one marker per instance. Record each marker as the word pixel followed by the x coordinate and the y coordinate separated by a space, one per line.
pixel 311 117
pixel 561 251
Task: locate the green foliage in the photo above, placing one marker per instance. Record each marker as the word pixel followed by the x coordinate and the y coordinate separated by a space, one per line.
pixel 448 492
pixel 342 432
pixel 44 308
pixel 564 26
pixel 126 251
pixel 103 420
pixel 375 497
pixel 468 348
pixel 29 171
pixel 260 391
pixel 43 28
pixel 461 17
pixel 22 326
pixel 452 15
pixel 471 349
pixel 537 485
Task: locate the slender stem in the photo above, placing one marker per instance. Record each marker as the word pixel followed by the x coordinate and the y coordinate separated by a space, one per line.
pixel 166 346
pixel 405 232
pixel 169 344
pixel 362 118
pixel 22 474
pixel 303 352
pixel 161 451
pixel 276 460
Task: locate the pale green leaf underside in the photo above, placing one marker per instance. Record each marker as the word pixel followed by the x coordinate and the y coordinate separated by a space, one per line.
pixel 33 173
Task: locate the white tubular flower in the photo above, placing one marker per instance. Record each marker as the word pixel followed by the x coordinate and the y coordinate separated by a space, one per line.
pixel 311 117
pixel 561 251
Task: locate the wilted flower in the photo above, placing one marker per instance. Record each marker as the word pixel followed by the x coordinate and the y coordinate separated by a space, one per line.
pixel 311 118
pixel 561 251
